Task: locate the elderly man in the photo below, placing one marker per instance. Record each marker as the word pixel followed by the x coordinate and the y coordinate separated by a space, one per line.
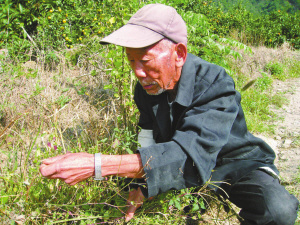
pixel 193 127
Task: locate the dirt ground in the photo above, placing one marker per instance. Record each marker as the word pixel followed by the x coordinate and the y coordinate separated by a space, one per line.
pixel 286 140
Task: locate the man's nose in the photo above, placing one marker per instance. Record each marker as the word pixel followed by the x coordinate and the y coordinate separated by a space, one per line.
pixel 139 70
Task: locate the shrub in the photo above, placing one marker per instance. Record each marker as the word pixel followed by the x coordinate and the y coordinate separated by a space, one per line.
pixel 276 69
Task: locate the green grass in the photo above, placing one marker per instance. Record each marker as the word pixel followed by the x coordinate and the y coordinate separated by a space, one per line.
pixel 63 105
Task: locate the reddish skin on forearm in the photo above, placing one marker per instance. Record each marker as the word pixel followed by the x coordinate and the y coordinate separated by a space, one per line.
pixel 122 165
pixel 76 167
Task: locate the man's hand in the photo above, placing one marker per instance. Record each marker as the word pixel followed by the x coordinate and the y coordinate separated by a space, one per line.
pixel 71 167
pixel 135 200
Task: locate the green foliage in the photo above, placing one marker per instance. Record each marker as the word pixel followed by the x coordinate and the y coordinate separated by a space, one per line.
pixel 13 16
pixel 261 7
pixel 256 106
pixel 38 90
pixel 52 31
pixel 276 69
pixel 293 67
pixel 122 83
pixel 62 100
pixel 258 96
pixel 67 22
pixel 188 199
pixel 201 38
pixel 263 83
pixel 124 141
pixel 271 29
pixel 280 27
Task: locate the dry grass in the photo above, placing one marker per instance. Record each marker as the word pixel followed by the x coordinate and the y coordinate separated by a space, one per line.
pixel 244 37
pixel 66 102
pixel 252 65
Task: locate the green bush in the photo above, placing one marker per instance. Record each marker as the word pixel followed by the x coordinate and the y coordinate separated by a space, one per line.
pixel 276 69
pixel 61 23
pixel 270 29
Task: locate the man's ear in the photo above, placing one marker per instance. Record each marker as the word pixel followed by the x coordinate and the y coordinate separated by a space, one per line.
pixel 181 54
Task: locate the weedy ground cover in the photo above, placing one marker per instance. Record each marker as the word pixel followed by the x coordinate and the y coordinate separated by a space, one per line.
pixel 254 80
pixel 47 111
pixel 62 91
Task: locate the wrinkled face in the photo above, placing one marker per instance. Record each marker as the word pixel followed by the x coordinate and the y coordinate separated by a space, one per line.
pixel 154 66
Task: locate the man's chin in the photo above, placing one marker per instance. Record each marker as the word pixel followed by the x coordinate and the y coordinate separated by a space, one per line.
pixel 160 91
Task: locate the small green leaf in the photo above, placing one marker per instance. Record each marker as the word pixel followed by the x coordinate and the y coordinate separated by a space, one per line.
pixel 202 205
pixel 129 151
pixel 107 87
pixel 21 8
pixel 93 73
pixel 195 207
pixel 177 204
pixel 4 200
pixel 112 20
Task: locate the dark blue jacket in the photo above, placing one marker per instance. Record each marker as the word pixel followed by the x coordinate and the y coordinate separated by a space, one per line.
pixel 208 137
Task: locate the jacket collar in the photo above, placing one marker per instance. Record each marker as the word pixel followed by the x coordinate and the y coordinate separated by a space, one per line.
pixel 186 84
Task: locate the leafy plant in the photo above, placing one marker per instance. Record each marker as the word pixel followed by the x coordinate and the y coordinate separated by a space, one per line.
pixel 276 69
pixel 62 100
pixel 263 83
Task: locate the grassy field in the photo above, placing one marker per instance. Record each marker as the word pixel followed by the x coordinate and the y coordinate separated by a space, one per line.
pixel 48 109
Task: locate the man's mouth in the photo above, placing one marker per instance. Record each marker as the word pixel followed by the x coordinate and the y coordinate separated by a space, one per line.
pixel 148 86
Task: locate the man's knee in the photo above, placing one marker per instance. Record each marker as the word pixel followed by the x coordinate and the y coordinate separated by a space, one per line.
pixel 264 201
pixel 284 209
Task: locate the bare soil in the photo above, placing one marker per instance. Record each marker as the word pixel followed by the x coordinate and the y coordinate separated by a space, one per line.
pixel 286 140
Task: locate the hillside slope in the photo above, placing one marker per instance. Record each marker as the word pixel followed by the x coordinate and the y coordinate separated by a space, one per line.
pixel 261 7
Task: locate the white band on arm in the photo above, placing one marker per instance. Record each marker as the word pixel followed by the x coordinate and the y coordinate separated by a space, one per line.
pixel 98 173
pixel 145 138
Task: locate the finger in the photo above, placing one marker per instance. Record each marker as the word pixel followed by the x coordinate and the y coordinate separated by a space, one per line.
pixel 43 169
pixel 48 170
pixel 130 213
pixel 132 195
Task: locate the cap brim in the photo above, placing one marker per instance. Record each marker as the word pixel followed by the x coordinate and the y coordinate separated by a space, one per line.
pixel 132 36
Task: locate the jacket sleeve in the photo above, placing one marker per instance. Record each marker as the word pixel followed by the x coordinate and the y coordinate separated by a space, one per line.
pixel 202 130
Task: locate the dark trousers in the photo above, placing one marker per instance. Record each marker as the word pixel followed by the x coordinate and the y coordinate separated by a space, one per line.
pixel 263 201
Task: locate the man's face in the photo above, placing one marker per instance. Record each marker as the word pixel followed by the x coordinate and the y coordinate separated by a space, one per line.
pixel 154 66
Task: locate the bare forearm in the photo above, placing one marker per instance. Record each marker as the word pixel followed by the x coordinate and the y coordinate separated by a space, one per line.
pixel 122 165
pixel 76 167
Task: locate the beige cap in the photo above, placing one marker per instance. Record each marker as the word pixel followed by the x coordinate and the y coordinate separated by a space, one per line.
pixel 149 25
